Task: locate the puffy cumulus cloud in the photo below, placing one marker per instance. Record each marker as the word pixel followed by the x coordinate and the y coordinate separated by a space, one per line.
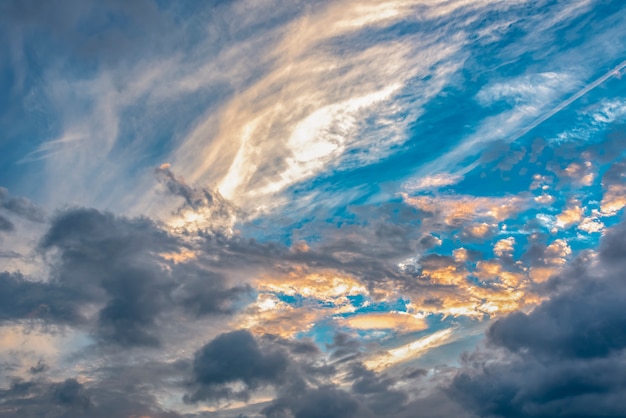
pixel 504 247
pixel 546 260
pixel 571 215
pixel 613 199
pixel 479 230
pixel 315 296
pixel 572 172
pixel 564 358
pixel 443 270
pixel 582 173
pixel 614 184
pixel 459 286
pixel 455 210
pixel 592 224
pixel 494 272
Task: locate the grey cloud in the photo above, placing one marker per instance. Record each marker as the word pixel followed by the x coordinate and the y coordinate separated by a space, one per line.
pixel 616 174
pixel 20 206
pixel 113 263
pixel 204 292
pixel 71 399
pixel 20 299
pixel 40 367
pixel 216 210
pixel 71 393
pixel 235 357
pixel 324 402
pixel 294 370
pixel 297 373
pixel 6 225
pixel 565 358
pixel 114 260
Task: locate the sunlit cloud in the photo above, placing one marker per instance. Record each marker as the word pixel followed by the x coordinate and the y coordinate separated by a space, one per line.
pixel 396 321
pixel 410 351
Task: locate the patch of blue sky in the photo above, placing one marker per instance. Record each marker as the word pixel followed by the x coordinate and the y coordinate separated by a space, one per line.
pixel 322 333
pixel 398 305
pixel 153 142
pixel 293 300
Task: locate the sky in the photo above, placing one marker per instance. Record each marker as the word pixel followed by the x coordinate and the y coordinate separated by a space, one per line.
pixel 312 209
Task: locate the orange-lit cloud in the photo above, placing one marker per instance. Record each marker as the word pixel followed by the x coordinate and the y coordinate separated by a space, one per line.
pixel 460 208
pixel 325 286
pixel 397 321
pixel 179 257
pixel 504 246
pixel 614 199
pixel 573 214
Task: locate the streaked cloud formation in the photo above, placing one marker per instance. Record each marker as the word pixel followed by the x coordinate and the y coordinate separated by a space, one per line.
pixel 312 209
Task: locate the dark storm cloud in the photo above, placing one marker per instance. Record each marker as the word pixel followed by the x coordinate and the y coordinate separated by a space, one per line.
pixel 114 260
pixel 113 263
pixel 565 358
pixel 235 357
pixel 298 374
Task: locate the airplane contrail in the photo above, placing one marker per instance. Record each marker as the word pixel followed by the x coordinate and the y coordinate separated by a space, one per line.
pixel 461 151
pixel 611 73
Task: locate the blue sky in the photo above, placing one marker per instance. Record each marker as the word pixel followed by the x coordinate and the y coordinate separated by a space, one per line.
pixel 388 186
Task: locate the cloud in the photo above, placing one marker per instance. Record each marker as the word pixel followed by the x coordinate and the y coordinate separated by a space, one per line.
pixel 316 403
pixel 565 357
pixel 6 225
pixel 108 277
pixel 410 351
pixel 71 398
pixel 203 209
pixel 235 357
pixel 20 206
pixel 396 321
pixel 23 299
